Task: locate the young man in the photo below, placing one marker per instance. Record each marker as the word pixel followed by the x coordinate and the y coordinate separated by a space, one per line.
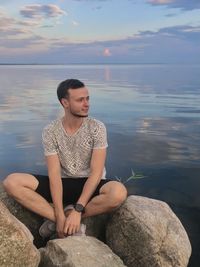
pixel 75 150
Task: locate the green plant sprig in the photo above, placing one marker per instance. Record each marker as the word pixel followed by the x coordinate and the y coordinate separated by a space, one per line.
pixel 133 176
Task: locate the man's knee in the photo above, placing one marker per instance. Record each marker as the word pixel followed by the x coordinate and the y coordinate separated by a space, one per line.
pixel 120 193
pixel 117 194
pixel 10 183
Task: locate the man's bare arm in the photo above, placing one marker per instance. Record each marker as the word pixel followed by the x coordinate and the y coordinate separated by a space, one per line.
pixel 72 223
pixel 96 171
pixel 54 172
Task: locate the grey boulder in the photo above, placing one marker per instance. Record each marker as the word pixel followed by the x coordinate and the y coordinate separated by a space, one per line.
pixel 30 219
pixel 16 242
pixel 145 232
pixel 78 251
pixel 96 226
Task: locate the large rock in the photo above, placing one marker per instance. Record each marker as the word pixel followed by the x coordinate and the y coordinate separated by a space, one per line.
pixel 96 226
pixel 145 232
pixel 78 251
pixel 30 219
pixel 16 242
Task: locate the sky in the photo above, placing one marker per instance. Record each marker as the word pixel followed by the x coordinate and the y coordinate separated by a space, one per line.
pixel 99 31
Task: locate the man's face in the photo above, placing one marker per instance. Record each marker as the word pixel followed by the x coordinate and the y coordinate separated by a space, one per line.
pixel 78 102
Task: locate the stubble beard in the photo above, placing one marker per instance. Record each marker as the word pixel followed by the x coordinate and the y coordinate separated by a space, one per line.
pixel 77 115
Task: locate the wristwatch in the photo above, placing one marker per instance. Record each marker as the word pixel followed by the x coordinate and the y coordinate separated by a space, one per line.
pixel 79 207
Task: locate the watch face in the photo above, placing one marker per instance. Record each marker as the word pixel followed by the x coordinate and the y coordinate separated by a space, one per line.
pixel 79 207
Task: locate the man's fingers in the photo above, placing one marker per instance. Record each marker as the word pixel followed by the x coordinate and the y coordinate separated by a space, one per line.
pixel 77 228
pixel 61 234
pixel 66 229
pixel 71 229
pixel 72 223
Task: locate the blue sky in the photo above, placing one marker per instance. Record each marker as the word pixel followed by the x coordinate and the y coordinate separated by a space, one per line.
pixel 100 31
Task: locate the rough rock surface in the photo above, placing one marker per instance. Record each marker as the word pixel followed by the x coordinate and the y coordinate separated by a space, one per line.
pixel 31 220
pixel 96 226
pixel 16 242
pixel 78 251
pixel 145 232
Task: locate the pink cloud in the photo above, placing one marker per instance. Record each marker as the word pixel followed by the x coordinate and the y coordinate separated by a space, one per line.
pixel 106 52
pixel 160 2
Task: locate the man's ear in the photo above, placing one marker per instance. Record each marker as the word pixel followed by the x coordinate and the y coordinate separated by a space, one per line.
pixel 64 102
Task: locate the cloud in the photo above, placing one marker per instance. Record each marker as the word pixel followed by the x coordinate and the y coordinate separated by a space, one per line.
pixel 160 2
pixel 29 23
pixel 97 8
pixel 20 44
pixel 11 27
pixel 106 52
pixel 5 21
pixel 167 45
pixel 15 28
pixel 38 11
pixel 171 15
pixel 12 32
pixel 188 33
pixel 182 4
pixel 91 0
pixel 75 23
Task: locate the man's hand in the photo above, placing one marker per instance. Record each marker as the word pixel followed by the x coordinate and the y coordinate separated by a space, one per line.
pixel 60 223
pixel 72 223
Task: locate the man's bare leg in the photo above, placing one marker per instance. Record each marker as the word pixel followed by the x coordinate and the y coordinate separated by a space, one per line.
pixel 21 187
pixel 112 195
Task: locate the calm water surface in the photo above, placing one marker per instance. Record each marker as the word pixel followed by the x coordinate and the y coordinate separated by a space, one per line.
pixel 152 114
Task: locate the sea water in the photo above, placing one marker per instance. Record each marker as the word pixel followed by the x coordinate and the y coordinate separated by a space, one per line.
pixel 152 115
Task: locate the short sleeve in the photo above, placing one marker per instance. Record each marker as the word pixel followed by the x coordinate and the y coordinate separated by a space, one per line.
pixel 100 136
pixel 49 143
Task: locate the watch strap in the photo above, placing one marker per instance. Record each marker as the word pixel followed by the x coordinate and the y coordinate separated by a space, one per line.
pixel 79 207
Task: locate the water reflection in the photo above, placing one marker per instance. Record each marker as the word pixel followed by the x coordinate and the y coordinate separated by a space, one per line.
pixel 140 108
pixel 173 133
pixel 107 73
pixel 149 123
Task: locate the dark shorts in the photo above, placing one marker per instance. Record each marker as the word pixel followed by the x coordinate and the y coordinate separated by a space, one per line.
pixel 72 188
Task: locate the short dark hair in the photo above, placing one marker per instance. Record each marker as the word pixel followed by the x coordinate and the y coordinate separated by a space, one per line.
pixel 63 87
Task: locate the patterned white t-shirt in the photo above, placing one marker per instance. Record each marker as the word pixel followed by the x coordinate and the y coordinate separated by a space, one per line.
pixel 74 151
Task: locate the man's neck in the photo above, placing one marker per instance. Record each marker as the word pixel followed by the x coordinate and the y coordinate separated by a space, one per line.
pixel 71 124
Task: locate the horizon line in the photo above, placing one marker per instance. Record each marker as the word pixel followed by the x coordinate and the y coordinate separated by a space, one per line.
pixel 103 63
